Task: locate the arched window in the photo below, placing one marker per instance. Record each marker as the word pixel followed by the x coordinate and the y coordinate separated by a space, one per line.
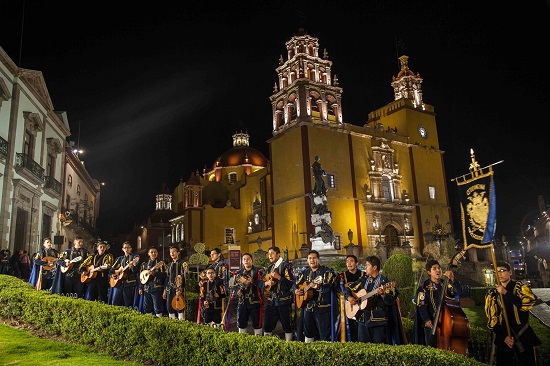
pixel 70 181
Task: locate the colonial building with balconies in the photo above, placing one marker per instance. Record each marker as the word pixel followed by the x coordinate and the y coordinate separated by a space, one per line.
pixel 80 206
pixel 32 141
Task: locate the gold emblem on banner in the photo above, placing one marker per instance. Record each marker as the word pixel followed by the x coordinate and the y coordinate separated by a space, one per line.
pixel 478 210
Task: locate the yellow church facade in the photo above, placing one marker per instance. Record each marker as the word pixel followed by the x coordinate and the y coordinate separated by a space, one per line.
pixel 386 184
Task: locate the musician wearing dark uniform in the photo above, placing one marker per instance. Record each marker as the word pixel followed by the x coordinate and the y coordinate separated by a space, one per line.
pixel 68 263
pixel 518 301
pixel 250 295
pixel 373 320
pixel 280 298
pixel 346 278
pixel 218 264
pixel 212 293
pixel 44 278
pixel 123 293
pixel 153 288
pixel 427 300
pixel 175 284
pixel 98 287
pixel 316 317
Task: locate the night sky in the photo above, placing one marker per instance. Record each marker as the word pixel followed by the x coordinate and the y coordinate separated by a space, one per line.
pixel 154 91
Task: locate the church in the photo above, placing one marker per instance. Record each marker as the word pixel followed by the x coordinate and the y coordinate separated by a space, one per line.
pixel 385 180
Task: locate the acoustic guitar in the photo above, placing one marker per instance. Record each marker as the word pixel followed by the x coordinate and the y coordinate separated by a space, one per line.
pixel 363 302
pixel 144 275
pixel 91 273
pixel 302 300
pixel 47 267
pixel 178 302
pixel 70 265
pixel 121 273
pixel 268 276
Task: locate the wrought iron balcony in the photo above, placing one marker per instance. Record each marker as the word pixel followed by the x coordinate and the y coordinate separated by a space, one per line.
pixel 4 146
pixel 28 168
pixel 52 185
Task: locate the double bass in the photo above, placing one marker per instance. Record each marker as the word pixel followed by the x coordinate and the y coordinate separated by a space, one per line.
pixel 451 326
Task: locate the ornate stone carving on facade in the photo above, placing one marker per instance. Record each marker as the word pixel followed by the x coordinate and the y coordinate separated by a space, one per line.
pixel 33 122
pixel 4 91
pixel 54 146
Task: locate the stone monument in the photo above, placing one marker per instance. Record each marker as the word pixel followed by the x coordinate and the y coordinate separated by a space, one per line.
pixel 323 238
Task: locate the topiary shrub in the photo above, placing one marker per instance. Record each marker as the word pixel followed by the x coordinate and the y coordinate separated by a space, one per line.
pixel 398 268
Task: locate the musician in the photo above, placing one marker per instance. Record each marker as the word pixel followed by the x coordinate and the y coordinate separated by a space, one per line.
pixel 71 281
pixel 218 263
pixel 280 298
pixel 250 295
pixel 346 278
pixel 42 278
pixel 153 288
pixel 427 300
pixel 316 317
pixel 518 301
pixel 175 283
pixel 98 287
pixel 372 323
pixel 124 292
pixel 212 293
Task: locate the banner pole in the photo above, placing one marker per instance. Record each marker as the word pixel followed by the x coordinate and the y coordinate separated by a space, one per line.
pixel 504 314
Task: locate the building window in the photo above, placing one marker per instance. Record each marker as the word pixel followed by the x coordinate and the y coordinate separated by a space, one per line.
pixel 68 202
pixel 70 181
pixel 46 226
pixel 78 190
pixel 331 181
pixel 28 143
pixel 229 235
pixel 431 192
pixel 232 177
pixel 50 166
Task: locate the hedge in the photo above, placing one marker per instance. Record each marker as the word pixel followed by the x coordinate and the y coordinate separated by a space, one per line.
pixel 127 334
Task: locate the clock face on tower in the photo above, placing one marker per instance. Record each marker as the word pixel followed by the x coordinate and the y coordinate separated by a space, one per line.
pixel 423 132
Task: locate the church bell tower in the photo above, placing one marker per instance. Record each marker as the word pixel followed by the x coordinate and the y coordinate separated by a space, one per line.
pixel 305 91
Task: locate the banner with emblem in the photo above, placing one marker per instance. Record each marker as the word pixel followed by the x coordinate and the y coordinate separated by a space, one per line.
pixel 478 209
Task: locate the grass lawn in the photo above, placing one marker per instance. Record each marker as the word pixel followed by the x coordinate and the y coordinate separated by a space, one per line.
pixel 18 347
pixel 476 316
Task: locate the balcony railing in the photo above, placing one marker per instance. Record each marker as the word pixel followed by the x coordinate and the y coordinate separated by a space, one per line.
pixel 52 184
pixel 24 163
pixel 4 146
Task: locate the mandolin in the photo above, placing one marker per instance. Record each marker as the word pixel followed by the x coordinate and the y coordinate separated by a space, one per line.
pixel 87 276
pixel 302 300
pixel 144 275
pixel 70 265
pixel 268 276
pixel 178 302
pixel 362 297
pixel 52 260
pixel 121 273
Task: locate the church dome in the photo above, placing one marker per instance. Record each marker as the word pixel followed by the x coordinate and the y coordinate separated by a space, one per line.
pixel 240 154
pixel 163 216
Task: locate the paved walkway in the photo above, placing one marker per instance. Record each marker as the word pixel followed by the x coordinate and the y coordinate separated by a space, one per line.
pixel 541 311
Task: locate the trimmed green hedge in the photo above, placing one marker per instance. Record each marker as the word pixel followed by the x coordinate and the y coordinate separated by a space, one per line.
pixel 129 335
